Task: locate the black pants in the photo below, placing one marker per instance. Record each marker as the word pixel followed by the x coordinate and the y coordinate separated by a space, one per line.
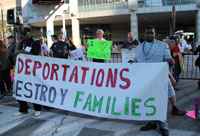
pixel 5 81
pixel 23 107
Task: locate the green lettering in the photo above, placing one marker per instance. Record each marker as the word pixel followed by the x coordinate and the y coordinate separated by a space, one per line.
pixel 108 104
pixel 97 104
pixel 113 112
pixel 135 106
pixel 148 104
pixel 126 107
pixel 77 99
pixel 88 103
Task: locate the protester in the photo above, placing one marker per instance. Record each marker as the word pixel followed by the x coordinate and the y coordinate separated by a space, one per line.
pixel 99 36
pixel 177 56
pixel 154 51
pixel 59 49
pixel 23 106
pixel 44 47
pixel 128 48
pixel 75 53
pixel 183 45
pixel 130 43
pixel 5 79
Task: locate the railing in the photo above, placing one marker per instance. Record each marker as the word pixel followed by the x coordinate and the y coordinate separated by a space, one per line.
pixel 91 5
pixel 160 3
pixel 190 71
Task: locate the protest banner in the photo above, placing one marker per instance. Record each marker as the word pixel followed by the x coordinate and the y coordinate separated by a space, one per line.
pixel 117 91
pixel 99 49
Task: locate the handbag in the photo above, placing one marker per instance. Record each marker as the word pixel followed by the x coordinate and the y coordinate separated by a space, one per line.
pixel 197 62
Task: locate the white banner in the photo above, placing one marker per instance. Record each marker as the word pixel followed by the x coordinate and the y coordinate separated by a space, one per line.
pixel 117 91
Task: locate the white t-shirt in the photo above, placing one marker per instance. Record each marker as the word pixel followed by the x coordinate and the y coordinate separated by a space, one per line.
pixel 184 46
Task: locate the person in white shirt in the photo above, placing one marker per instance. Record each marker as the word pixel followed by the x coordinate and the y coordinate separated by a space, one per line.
pixel 184 46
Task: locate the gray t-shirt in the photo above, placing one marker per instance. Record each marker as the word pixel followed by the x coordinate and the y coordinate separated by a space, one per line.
pixel 155 52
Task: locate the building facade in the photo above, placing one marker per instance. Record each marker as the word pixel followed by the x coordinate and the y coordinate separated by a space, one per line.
pixel 4 6
pixel 117 17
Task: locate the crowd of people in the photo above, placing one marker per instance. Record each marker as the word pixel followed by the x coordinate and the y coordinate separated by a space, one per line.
pixel 170 50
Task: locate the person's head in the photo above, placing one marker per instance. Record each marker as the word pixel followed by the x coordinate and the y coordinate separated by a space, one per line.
pixel 130 36
pixel 11 39
pixel 99 34
pixel 150 34
pixel 54 38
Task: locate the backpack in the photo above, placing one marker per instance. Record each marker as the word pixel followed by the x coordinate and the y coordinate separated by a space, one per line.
pixel 60 50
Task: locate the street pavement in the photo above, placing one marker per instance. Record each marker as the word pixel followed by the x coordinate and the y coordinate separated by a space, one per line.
pixel 61 123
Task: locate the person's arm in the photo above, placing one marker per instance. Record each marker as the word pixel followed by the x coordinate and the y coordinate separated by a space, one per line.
pixel 172 79
pixel 167 55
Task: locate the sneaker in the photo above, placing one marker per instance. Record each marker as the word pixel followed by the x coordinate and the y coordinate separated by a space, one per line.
pixel 177 112
pixel 149 126
pixel 37 113
pixel 164 132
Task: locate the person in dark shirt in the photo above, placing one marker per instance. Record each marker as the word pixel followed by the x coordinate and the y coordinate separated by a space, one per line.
pixel 59 49
pixel 23 106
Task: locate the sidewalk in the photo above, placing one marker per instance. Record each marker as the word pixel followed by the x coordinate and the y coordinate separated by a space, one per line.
pixel 58 123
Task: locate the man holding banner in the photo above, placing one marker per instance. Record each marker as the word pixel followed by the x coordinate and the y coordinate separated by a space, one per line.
pixel 154 51
pixel 99 49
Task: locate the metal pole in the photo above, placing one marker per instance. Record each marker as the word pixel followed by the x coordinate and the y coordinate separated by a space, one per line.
pixel 174 17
